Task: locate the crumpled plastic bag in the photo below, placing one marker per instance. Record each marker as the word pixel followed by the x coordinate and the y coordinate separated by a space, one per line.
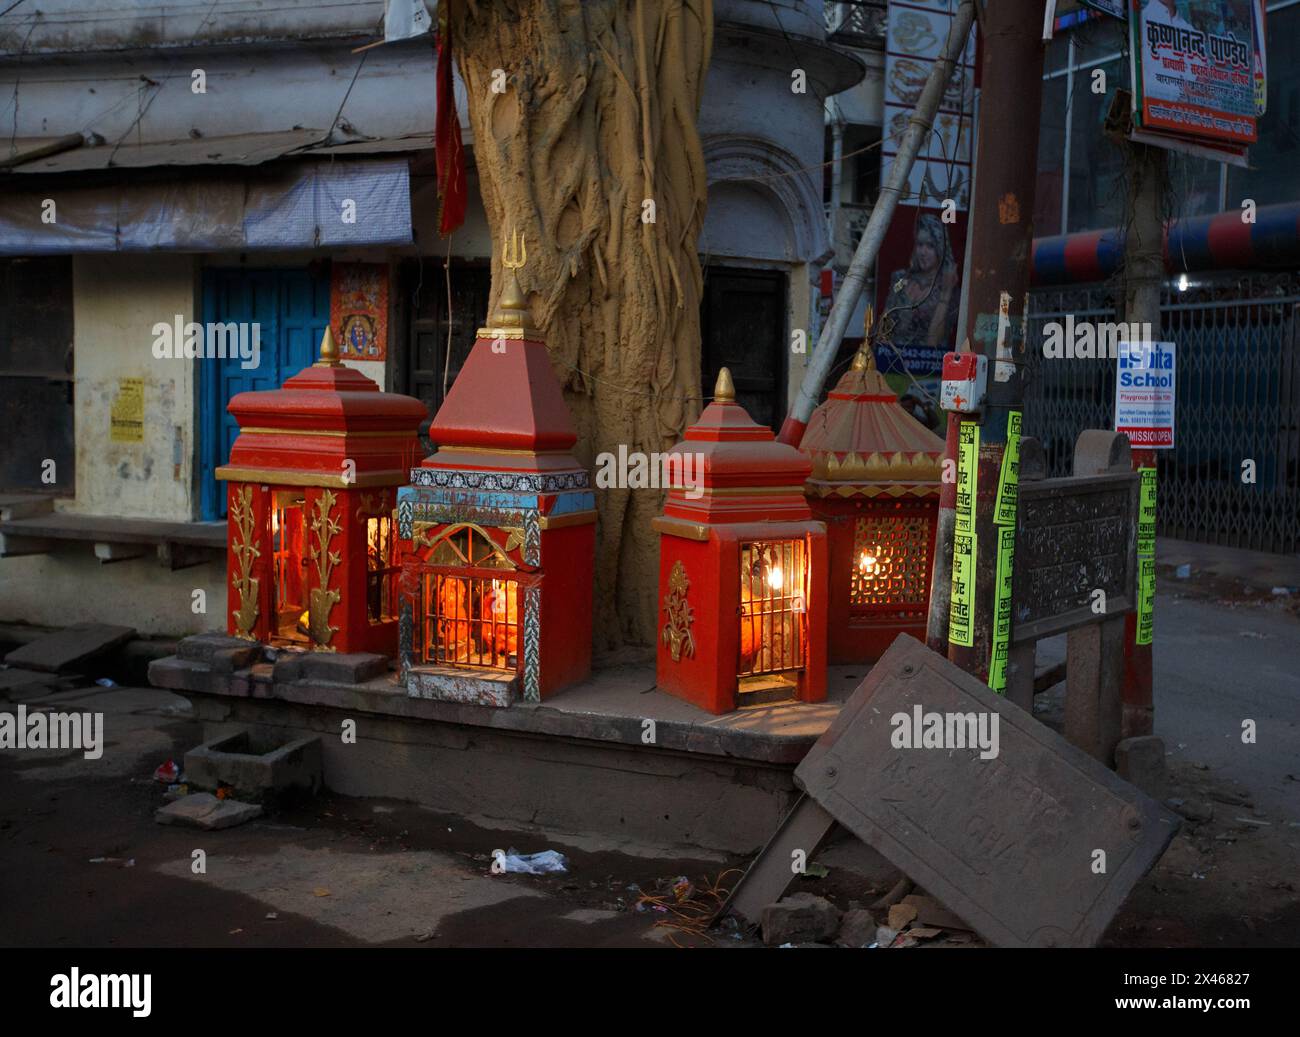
pixel 542 863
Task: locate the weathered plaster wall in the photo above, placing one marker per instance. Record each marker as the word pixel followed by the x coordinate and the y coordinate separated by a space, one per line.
pixel 116 302
pixel 70 586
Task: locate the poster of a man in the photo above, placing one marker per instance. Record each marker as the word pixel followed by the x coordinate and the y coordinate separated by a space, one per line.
pixel 1165 11
pixel 921 308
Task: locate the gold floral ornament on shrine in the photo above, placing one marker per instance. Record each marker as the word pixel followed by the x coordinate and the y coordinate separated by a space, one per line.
pixel 677 631
pixel 511 319
pixel 241 510
pixel 323 527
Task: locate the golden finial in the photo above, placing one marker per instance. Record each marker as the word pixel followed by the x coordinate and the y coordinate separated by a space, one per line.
pixel 511 317
pixel 865 359
pixel 724 390
pixel 329 350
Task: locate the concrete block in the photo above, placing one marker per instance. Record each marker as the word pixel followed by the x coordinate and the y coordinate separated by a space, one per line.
pixel 329 667
pixel 800 918
pixel 449 685
pixel 201 647
pixel 70 647
pixel 228 660
pixel 1141 762
pixel 255 769
pixel 202 810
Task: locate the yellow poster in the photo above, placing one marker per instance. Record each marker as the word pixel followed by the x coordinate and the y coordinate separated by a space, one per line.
pixel 1002 609
pixel 126 416
pixel 1004 511
pixel 961 615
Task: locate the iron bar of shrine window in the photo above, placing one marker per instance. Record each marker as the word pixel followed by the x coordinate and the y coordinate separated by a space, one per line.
pixel 472 619
pixel 773 592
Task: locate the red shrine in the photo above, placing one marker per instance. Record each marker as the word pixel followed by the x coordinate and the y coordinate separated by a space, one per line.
pixel 311 548
pixel 742 567
pixel 875 483
pixel 498 528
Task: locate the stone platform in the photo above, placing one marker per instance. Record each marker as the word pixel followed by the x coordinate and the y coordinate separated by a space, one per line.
pixel 612 756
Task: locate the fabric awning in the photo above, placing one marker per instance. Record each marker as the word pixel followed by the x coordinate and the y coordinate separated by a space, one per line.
pixel 301 205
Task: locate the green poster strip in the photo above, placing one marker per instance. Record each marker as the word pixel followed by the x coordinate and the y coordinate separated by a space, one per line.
pixel 1002 610
pixel 1146 602
pixel 1004 511
pixel 961 615
pixel 1146 557
pixel 1146 535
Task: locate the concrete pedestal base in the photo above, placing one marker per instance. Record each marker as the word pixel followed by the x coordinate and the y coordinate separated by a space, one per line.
pixel 612 756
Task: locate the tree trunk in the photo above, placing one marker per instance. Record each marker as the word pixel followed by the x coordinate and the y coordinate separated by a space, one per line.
pixel 593 117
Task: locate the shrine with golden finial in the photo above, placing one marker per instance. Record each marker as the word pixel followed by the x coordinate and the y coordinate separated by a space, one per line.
pixel 742 567
pixel 498 526
pixel 312 482
pixel 875 481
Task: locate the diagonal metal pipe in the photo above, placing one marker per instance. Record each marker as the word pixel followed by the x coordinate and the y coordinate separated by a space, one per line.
pixel 918 129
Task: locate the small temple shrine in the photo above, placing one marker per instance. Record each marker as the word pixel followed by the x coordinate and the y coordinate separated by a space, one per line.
pixel 742 567
pixel 312 483
pixel 497 528
pixel 875 478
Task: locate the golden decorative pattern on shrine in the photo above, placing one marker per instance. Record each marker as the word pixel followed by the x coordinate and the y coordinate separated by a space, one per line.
pixel 891 560
pixel 677 633
pixel 324 527
pixel 245 551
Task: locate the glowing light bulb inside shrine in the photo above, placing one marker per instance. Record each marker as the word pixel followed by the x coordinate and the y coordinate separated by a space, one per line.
pixel 775 578
pixel 867 563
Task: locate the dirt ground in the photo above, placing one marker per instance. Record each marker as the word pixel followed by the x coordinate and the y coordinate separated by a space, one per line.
pixel 95 870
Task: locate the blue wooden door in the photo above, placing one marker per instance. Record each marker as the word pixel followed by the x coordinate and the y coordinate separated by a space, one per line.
pixel 290 310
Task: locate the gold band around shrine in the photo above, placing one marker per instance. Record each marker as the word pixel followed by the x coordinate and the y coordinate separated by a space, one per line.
pixel 286 477
pixel 677 528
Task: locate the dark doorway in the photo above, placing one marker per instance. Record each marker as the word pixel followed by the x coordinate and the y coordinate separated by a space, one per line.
pixel 427 367
pixel 743 326
pixel 36 386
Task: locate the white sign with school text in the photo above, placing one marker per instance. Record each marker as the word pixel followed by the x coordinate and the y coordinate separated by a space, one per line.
pixel 1144 394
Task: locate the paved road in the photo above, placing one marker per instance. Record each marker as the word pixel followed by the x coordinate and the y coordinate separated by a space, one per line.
pixel 1217 663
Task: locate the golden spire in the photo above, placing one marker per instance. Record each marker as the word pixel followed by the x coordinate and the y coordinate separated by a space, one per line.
pixel 329 351
pixel 511 319
pixel 865 359
pixel 724 390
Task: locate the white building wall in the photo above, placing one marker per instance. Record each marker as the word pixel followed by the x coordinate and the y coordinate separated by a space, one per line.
pixel 117 299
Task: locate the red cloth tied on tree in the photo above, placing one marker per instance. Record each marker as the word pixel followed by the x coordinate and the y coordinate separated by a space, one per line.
pixel 449 152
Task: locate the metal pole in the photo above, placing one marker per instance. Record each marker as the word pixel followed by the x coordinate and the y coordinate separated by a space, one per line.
pixel 1001 228
pixel 918 129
